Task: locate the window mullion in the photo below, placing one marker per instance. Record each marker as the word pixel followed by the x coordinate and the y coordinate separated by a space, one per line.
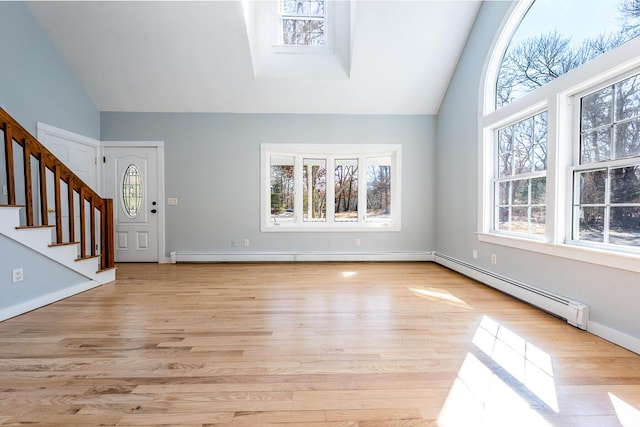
pixel 298 174
pixel 331 190
pixel 607 206
pixel 362 189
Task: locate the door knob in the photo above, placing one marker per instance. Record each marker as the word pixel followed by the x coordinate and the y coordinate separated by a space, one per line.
pixel 154 210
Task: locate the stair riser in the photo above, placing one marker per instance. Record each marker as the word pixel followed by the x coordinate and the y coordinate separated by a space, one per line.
pixel 40 239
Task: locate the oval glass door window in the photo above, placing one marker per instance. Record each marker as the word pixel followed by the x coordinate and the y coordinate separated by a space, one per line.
pixel 132 191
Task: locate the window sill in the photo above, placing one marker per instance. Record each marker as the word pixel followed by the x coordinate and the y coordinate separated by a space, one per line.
pixel 619 260
pixel 303 49
pixel 324 228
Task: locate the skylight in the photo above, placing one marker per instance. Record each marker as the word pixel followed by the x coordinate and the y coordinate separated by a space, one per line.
pixel 303 22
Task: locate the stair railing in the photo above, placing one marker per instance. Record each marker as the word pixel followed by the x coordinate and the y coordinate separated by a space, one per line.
pixel 29 173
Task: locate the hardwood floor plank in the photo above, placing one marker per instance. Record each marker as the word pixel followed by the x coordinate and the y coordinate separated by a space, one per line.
pixel 308 344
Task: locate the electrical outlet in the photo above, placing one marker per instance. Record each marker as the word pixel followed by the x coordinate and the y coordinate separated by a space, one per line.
pixel 475 254
pixel 494 259
pixel 357 242
pixel 5 190
pixel 246 243
pixel 17 275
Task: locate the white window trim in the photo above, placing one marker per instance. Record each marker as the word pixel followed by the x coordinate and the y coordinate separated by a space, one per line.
pixel 557 98
pixel 331 152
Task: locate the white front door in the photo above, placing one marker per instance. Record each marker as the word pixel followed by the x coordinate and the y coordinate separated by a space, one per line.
pixel 131 180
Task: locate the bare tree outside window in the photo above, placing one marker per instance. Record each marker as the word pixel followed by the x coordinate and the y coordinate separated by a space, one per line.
pixel 535 61
pixel 303 22
pixel 607 206
pixel 379 189
pixel 282 189
pixel 520 182
pixel 606 178
pixel 346 190
pixel 314 182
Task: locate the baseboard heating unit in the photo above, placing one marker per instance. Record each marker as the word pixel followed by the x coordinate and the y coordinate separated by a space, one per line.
pixel 574 312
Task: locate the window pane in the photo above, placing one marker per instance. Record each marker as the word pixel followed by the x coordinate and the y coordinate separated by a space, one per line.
pixel 538 191
pixel 132 191
pixel 379 189
pixel 523 139
pixel 505 152
pixel 520 219
pixel 538 220
pixel 315 190
pixel 595 146
pixel 307 32
pixel 520 195
pixel 282 189
pixel 625 226
pixel 592 187
pixel 540 141
pixel 555 37
pixel 596 109
pixel 289 7
pixel 540 157
pixel 503 219
pixel 317 7
pixel 591 224
pixel 303 8
pixel 625 185
pixel 628 98
pixel 346 192
pixel 522 146
pixel 503 193
pixel 628 139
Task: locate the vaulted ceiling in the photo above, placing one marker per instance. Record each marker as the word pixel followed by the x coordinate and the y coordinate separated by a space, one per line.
pixel 395 57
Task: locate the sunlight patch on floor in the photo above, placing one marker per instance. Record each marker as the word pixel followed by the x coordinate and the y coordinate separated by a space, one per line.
pixel 510 379
pixel 627 414
pixel 479 398
pixel 439 295
pixel 525 362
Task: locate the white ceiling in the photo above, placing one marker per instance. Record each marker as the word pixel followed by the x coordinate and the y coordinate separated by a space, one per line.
pixel 185 56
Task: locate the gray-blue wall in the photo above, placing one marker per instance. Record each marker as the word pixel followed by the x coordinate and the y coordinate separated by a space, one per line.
pixel 611 294
pixel 42 276
pixel 36 85
pixel 35 82
pixel 213 168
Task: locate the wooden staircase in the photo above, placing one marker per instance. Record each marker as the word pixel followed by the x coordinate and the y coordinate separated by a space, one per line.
pixel 46 207
pixel 39 239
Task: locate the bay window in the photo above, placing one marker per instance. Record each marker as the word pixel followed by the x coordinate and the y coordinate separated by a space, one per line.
pixel 311 187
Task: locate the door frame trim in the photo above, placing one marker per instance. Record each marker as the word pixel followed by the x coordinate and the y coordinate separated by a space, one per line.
pixel 43 129
pixel 159 146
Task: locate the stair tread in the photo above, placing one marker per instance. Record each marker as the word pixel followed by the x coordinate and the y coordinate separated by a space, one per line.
pixel 102 270
pixel 11 206
pixel 53 245
pixel 29 227
pixel 87 257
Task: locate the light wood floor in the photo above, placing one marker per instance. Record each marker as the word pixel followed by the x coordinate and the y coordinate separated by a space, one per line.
pixel 340 344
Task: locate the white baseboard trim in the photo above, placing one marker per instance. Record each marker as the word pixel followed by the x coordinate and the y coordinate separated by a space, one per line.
pixel 629 342
pixel 188 256
pixel 41 301
pixel 549 302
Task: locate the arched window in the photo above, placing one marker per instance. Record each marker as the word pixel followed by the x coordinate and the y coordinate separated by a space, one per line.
pixel 557 36
pixel 560 130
